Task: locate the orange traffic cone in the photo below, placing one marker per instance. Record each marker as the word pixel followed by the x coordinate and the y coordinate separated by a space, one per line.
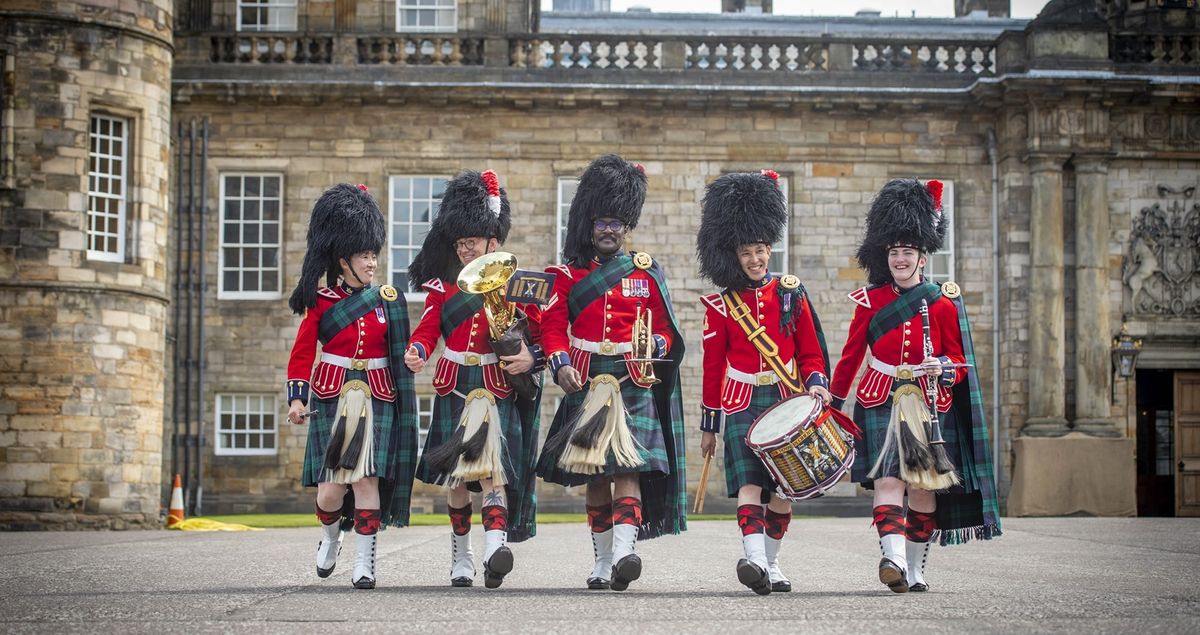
pixel 175 511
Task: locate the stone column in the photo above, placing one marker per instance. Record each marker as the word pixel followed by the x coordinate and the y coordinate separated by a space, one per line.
pixel 1093 368
pixel 1047 348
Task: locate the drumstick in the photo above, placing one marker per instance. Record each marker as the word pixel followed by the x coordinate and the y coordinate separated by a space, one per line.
pixel 702 486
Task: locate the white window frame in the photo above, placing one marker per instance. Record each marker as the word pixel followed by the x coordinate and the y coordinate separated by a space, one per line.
pixel 268 8
pixel 565 187
pixel 783 247
pixel 268 406
pixel 435 202
pixel 947 249
pixel 119 182
pixel 226 294
pixel 424 419
pixel 440 9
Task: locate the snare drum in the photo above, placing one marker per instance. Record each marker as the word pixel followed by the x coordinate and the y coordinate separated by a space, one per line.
pixel 805 451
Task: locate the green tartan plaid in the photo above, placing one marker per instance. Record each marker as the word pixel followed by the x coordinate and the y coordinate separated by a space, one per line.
pixel 518 454
pixel 742 465
pixel 874 423
pixel 395 422
pixel 664 494
pixel 641 416
pixel 902 308
pixel 971 510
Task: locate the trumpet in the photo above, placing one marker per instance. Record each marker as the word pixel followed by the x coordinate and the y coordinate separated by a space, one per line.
pixel 643 345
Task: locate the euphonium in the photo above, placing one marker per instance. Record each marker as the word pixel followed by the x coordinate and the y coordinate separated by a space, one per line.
pixel 507 327
pixel 489 274
pixel 643 344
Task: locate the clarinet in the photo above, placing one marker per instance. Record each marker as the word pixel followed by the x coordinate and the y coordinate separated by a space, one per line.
pixel 935 428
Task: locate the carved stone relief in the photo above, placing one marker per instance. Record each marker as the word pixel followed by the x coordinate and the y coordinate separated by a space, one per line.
pixel 1162 265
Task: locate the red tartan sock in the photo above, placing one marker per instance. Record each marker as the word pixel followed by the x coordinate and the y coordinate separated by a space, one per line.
pixel 600 517
pixel 889 519
pixel 777 524
pixel 366 521
pixel 460 519
pixel 627 510
pixel 919 526
pixel 495 517
pixel 751 520
pixel 328 518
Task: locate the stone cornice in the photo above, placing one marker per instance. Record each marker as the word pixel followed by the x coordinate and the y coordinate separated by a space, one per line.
pixel 72 21
pixel 84 287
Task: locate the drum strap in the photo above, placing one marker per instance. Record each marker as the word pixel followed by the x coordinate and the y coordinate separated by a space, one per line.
pixel 757 334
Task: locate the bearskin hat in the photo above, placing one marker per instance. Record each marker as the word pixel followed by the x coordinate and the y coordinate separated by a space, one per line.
pixel 345 221
pixel 610 187
pixel 905 213
pixel 474 204
pixel 738 209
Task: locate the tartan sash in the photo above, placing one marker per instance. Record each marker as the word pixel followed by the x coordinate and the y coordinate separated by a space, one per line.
pixel 458 309
pixel 975 513
pixel 598 282
pixel 347 311
pixel 902 308
pixel 757 334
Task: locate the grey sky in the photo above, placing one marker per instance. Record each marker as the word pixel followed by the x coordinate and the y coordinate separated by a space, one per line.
pixel 904 8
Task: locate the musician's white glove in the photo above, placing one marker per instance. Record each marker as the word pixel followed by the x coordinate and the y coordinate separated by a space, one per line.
pixel 820 392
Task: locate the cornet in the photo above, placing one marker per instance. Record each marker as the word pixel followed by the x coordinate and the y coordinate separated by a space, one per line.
pixel 643 345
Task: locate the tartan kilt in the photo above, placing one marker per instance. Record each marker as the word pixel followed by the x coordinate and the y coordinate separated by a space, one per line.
pixel 742 465
pixel 641 416
pixel 447 412
pixel 874 423
pixel 387 436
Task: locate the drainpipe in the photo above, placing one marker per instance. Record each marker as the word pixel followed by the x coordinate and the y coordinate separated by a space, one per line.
pixel 202 283
pixel 992 158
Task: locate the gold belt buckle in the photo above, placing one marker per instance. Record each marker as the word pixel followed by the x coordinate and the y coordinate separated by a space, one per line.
pixel 607 348
pixel 764 379
pixel 904 372
pixel 358 364
pixel 471 359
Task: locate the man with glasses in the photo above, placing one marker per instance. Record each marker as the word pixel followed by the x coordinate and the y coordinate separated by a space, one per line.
pixel 483 436
pixel 619 430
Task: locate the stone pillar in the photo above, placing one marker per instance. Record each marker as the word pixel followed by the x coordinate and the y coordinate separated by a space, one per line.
pixel 1093 368
pixel 1047 348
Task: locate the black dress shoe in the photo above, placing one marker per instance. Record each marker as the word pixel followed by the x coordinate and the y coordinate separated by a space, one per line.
pixel 754 577
pixel 625 571
pixel 893 576
pixel 597 584
pixel 919 587
pixel 462 581
pixel 496 567
pixel 364 583
pixel 781 587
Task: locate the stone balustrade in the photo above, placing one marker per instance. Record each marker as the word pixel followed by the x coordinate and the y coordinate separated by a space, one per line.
pixel 966 58
pixel 420 50
pixel 1156 50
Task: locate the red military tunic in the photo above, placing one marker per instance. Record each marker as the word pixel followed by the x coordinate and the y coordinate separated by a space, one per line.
pixel 605 326
pixel 468 344
pixel 354 345
pixel 903 345
pixel 732 364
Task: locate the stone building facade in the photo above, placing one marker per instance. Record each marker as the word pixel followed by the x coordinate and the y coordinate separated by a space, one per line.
pixel 83 273
pixel 1053 134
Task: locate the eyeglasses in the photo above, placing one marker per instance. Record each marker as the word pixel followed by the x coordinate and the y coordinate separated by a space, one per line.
pixel 609 225
pixel 466 244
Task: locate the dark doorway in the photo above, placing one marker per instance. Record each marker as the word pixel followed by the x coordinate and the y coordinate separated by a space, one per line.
pixel 1155 443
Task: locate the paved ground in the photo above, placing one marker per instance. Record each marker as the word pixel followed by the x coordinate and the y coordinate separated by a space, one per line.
pixel 1044 575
